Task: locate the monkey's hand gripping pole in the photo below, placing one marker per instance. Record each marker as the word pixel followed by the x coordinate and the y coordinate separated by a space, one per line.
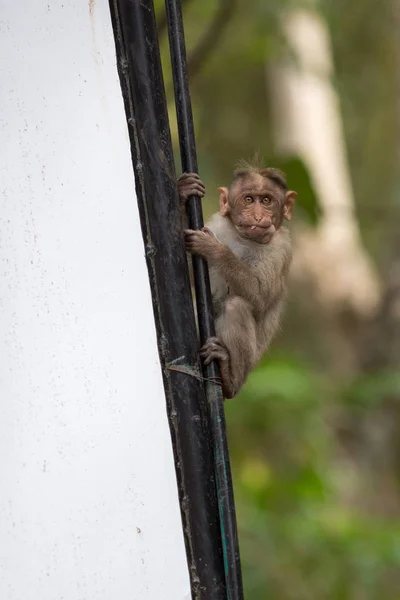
pixel 204 309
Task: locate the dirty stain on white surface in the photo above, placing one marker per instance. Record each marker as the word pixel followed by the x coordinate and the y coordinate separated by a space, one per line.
pixel 88 499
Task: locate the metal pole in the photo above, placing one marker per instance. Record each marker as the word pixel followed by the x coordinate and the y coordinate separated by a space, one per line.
pixel 143 89
pixel 204 308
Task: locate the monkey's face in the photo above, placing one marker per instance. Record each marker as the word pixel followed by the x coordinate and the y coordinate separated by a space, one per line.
pixel 256 208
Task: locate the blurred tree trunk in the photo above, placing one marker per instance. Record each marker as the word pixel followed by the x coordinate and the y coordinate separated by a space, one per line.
pixel 380 346
pixel 308 124
pixel 362 313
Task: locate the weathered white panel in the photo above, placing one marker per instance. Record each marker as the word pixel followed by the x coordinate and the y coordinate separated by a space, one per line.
pixel 88 497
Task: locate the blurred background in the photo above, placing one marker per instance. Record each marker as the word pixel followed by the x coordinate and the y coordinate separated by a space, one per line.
pixel 314 88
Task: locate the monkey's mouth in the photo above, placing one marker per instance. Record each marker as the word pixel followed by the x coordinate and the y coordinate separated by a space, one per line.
pixel 256 227
pixel 257 232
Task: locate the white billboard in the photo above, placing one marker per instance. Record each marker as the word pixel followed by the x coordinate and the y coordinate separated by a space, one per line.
pixel 89 506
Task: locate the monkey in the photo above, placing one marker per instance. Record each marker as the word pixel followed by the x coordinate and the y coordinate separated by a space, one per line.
pixel 248 251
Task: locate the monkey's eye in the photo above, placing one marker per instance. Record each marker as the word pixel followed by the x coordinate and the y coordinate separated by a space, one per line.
pixel 267 201
pixel 248 199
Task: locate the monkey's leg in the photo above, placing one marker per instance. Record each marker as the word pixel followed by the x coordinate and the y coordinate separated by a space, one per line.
pixel 235 346
pixel 213 349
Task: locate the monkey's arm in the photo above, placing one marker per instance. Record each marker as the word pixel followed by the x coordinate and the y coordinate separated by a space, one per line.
pixel 260 286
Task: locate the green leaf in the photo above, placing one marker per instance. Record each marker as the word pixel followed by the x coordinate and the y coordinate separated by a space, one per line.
pixel 300 181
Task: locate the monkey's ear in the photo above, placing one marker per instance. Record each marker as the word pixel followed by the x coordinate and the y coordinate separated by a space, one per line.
pixel 224 207
pixel 290 198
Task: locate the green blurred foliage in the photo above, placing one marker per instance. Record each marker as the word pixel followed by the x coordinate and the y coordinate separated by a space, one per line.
pixel 299 539
pixel 315 455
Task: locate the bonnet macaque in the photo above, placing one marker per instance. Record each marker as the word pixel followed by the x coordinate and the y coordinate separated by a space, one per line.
pixel 248 252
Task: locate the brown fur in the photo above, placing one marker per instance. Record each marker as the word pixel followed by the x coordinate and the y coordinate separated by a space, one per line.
pixel 245 168
pixel 248 268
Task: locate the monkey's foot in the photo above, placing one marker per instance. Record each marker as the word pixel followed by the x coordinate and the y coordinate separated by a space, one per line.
pixel 214 349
